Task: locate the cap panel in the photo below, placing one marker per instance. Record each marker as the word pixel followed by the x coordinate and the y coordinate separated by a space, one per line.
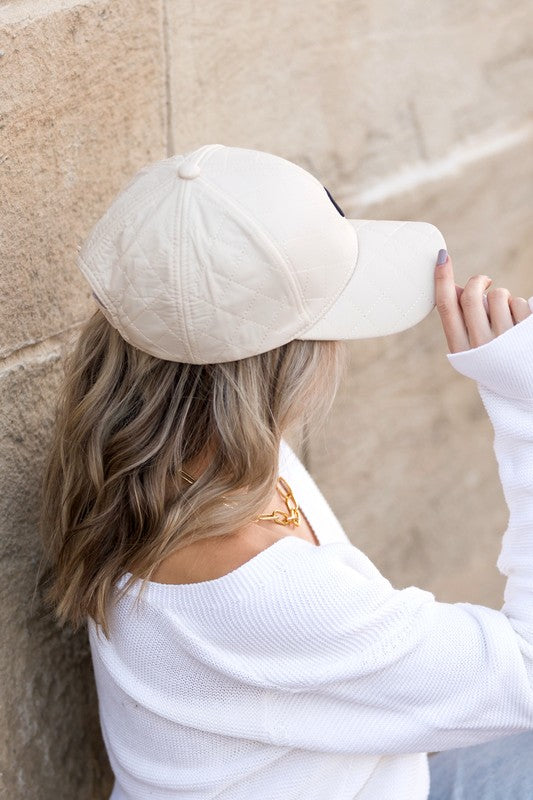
pixel 392 287
pixel 240 300
pixel 292 207
pixel 127 258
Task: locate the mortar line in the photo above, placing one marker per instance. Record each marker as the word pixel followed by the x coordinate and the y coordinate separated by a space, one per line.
pixel 170 144
pixel 420 173
pixel 39 352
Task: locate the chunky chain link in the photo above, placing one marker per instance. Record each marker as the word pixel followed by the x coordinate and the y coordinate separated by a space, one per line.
pixel 292 515
pixel 289 517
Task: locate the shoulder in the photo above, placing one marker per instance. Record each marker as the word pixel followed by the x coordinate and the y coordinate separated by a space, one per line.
pixel 294 610
pixel 291 615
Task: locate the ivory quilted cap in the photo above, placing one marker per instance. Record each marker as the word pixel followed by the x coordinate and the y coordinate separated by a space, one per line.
pixel 225 252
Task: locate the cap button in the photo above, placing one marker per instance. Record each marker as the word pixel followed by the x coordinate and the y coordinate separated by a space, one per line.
pixel 188 171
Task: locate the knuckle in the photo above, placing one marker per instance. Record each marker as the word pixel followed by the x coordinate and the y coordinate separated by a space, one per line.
pixel 445 307
pixel 469 300
pixel 500 292
pixel 475 279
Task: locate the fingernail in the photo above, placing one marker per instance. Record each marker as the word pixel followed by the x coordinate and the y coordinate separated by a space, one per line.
pixel 442 257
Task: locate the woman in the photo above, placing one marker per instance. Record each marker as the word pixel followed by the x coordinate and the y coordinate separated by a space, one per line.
pixel 242 646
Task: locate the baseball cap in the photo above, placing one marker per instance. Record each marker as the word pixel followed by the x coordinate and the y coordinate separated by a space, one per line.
pixel 225 252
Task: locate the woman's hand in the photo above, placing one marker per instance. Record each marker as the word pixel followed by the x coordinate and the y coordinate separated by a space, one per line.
pixel 468 315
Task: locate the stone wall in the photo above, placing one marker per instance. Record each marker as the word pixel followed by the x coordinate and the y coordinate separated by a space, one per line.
pixel 410 110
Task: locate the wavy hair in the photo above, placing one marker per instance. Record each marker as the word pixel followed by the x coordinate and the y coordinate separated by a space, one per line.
pixel 126 423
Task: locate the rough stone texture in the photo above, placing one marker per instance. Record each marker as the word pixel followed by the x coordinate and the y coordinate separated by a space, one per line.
pixel 82 107
pixel 405 111
pixel 50 744
pixel 353 90
pixel 75 123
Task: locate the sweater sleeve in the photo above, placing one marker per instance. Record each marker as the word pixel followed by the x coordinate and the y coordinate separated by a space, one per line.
pixel 357 666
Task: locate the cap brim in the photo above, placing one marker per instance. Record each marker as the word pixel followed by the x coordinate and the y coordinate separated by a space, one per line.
pixel 392 286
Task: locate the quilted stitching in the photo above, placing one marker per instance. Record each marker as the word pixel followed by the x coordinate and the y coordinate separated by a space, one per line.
pixel 230 282
pixel 146 306
pixel 285 188
pixel 369 277
pixel 383 293
pixel 228 279
pixel 361 314
pixel 144 260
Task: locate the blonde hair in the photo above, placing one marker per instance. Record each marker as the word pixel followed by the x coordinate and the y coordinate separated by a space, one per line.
pixel 127 422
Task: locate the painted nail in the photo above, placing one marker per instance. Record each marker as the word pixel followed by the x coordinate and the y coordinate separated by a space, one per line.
pixel 442 257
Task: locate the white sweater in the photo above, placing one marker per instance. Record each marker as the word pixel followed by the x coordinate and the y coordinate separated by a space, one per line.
pixel 304 673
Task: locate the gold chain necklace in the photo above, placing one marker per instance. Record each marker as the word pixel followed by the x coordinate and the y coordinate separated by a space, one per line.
pixel 289 517
pixel 292 515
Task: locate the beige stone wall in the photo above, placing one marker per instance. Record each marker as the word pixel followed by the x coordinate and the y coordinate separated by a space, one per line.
pixel 82 105
pixel 406 110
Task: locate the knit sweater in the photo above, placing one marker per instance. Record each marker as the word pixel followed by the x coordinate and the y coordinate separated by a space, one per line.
pixel 304 673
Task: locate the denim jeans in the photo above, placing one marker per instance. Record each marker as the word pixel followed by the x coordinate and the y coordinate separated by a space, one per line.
pixel 501 769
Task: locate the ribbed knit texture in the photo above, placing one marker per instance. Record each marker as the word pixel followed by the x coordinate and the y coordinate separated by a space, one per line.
pixel 304 674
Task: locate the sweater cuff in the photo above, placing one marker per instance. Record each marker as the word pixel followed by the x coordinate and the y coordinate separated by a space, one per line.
pixel 505 364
